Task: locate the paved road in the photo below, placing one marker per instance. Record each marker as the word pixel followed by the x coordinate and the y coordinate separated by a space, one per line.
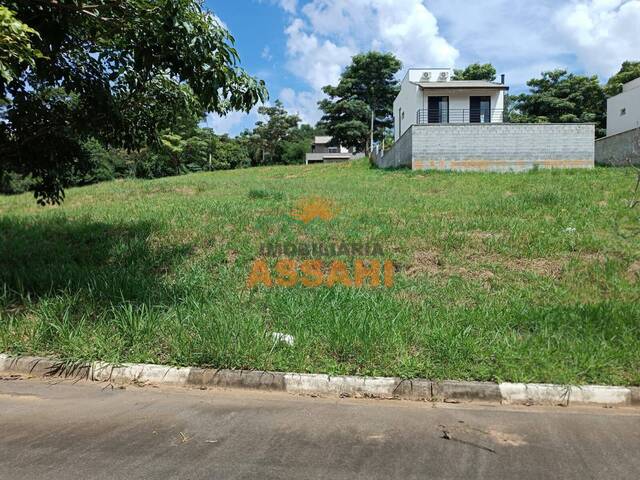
pixel 83 431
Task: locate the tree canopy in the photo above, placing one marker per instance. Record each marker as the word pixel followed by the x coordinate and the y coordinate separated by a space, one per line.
pixel 476 71
pixel 121 72
pixel 628 72
pixel 562 97
pixel 271 134
pixel 360 107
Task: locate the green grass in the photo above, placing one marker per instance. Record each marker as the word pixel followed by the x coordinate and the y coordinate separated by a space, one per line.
pixel 512 277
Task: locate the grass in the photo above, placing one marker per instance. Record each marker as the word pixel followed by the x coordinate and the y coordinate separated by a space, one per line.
pixel 512 277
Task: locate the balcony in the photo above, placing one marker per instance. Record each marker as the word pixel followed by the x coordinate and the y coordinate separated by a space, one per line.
pixel 428 116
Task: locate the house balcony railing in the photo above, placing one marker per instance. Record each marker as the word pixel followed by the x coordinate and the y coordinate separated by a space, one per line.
pixel 427 116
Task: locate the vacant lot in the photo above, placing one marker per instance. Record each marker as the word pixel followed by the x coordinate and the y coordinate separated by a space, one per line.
pixel 523 277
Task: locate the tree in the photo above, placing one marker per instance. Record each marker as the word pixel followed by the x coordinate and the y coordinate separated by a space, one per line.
pixel 360 107
pixel 270 135
pixel 16 50
pixel 628 72
pixel 476 71
pixel 562 97
pixel 121 72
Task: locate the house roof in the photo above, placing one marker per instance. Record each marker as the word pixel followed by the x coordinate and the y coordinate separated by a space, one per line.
pixel 322 140
pixel 462 84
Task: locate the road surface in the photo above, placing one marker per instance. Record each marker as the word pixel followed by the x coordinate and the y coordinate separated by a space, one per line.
pixel 53 430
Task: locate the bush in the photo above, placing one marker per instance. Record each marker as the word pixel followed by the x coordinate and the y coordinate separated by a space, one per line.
pixel 295 152
pixel 12 183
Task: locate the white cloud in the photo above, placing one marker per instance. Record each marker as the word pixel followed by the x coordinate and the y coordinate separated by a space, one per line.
pixel 319 62
pixel 603 33
pixel 232 123
pixel 327 33
pixel 266 53
pixel 305 104
pixel 288 5
pixel 406 28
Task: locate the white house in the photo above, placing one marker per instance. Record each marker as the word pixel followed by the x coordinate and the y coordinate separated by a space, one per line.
pixel 459 125
pixel 323 151
pixel 623 110
pixel 429 95
pixel 621 146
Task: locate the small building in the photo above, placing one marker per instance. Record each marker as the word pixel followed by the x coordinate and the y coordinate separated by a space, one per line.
pixel 323 151
pixel 460 125
pixel 430 96
pixel 621 146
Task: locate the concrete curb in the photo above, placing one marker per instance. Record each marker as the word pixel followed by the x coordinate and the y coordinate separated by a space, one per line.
pixel 312 384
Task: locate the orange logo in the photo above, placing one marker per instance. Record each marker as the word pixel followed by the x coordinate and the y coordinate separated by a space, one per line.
pixel 289 272
pixel 309 209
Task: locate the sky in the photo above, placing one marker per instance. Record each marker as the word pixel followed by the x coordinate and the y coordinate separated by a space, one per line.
pixel 298 46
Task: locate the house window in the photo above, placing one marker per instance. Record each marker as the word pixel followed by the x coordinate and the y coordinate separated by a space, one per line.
pixel 400 115
pixel 623 112
pixel 480 109
pixel 438 110
pixel 333 150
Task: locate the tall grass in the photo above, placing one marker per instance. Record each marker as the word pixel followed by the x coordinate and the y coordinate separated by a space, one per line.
pixel 522 277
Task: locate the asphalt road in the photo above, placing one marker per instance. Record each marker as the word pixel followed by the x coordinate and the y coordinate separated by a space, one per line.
pixel 52 430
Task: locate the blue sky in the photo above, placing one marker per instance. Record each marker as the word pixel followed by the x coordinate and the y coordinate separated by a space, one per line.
pixel 297 46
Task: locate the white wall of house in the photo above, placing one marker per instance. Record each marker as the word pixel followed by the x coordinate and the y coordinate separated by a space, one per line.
pixel 409 100
pixel 623 110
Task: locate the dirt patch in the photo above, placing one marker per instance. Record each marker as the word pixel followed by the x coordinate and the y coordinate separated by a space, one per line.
pixel 431 263
pixel 480 235
pixel 546 267
pixel 633 272
pixel 186 190
pixel 232 256
pixel 425 262
pixel 540 266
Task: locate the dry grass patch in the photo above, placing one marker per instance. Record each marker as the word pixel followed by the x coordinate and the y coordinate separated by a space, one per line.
pixel 633 272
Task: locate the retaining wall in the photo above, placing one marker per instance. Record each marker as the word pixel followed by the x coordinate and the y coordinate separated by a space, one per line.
pixel 619 150
pixel 399 155
pixel 498 147
pixel 503 147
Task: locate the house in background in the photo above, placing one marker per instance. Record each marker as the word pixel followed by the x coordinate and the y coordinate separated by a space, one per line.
pixel 623 110
pixel 431 96
pixel 460 125
pixel 620 146
pixel 322 151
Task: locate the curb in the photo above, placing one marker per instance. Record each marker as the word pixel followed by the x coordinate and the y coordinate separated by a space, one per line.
pixel 318 384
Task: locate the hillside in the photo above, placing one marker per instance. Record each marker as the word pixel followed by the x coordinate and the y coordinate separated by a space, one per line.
pixel 519 277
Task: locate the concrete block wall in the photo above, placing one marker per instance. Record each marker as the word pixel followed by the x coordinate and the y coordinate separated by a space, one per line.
pixel 399 155
pixel 618 150
pixel 502 147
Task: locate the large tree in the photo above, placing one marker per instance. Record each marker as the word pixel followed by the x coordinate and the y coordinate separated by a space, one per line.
pixel 628 72
pixel 476 71
pixel 119 71
pixel 562 97
pixel 360 108
pixel 270 135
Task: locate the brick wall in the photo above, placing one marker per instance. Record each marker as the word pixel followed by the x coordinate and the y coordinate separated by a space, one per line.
pixel 501 147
